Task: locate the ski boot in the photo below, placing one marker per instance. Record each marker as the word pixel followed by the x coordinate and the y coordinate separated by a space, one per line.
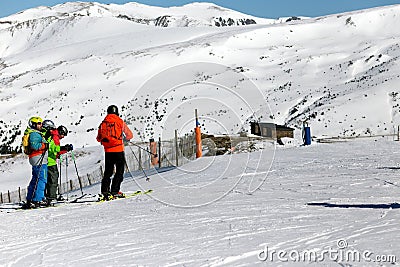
pixel 50 202
pixel 40 204
pixel 29 205
pixel 119 195
pixel 105 197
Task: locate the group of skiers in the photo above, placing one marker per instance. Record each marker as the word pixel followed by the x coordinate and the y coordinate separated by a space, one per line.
pixel 41 142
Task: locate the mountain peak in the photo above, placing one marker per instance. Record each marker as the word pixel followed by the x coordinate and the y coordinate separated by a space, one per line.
pixel 193 14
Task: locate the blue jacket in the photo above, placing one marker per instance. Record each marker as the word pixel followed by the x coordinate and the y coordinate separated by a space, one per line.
pixel 36 140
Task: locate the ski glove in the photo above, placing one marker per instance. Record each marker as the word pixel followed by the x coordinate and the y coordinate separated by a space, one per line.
pixel 68 147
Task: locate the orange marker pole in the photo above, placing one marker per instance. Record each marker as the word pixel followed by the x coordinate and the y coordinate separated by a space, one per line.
pixel 153 150
pixel 199 152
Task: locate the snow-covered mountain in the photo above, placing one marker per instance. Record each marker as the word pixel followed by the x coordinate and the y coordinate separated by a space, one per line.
pixel 340 72
pixel 190 15
pixel 69 62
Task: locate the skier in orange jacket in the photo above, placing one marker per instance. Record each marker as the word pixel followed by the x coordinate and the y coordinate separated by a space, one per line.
pixel 111 134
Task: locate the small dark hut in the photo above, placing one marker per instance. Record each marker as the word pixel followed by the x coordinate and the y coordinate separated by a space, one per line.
pixel 271 130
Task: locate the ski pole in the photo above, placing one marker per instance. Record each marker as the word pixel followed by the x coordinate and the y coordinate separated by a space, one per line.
pixel 66 173
pixel 60 180
pixel 76 169
pixel 145 175
pixel 151 153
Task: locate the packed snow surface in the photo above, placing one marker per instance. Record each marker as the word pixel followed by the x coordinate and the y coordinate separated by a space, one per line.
pixel 217 224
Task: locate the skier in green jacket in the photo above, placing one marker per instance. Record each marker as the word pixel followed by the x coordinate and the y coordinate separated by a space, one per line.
pixel 53 136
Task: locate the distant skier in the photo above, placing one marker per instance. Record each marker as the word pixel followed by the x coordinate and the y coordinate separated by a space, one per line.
pixel 53 136
pixel 35 146
pixel 111 134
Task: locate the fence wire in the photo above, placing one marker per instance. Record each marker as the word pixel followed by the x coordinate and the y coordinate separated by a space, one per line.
pixel 176 152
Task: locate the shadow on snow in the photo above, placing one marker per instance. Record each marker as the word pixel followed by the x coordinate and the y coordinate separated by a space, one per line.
pixel 389 168
pixel 357 206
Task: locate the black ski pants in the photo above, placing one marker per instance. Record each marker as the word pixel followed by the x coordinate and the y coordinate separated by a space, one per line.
pixel 52 182
pixel 112 159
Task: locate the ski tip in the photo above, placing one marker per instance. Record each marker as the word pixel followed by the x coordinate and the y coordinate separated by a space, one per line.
pixel 136 193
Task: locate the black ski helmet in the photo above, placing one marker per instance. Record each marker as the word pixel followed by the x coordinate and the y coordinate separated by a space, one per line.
pixel 113 109
pixel 48 125
pixel 62 130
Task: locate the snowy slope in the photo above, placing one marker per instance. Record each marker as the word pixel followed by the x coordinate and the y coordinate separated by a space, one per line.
pixel 37 25
pixel 338 71
pixel 155 230
pixel 69 62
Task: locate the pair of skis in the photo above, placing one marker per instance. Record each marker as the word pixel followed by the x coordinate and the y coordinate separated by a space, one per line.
pixel 129 195
pixel 78 200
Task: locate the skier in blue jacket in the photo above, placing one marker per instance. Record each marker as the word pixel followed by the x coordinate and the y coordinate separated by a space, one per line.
pixel 37 151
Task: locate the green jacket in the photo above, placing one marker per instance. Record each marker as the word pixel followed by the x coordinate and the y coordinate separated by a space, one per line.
pixel 53 151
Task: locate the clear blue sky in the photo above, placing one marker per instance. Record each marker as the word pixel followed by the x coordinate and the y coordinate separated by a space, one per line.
pixel 259 8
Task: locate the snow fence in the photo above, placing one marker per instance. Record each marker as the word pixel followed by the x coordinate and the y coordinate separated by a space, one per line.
pixel 171 153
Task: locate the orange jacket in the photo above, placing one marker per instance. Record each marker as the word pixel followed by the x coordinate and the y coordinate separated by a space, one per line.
pixel 41 151
pixel 111 133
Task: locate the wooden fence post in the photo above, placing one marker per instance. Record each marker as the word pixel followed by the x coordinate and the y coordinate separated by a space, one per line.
pixel 1 197
pixel 398 133
pixel 133 164
pixel 88 177
pixel 140 159
pixel 176 149
pixel 148 161
pixel 19 194
pixel 9 197
pixel 80 182
pixel 71 185
pixel 159 152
